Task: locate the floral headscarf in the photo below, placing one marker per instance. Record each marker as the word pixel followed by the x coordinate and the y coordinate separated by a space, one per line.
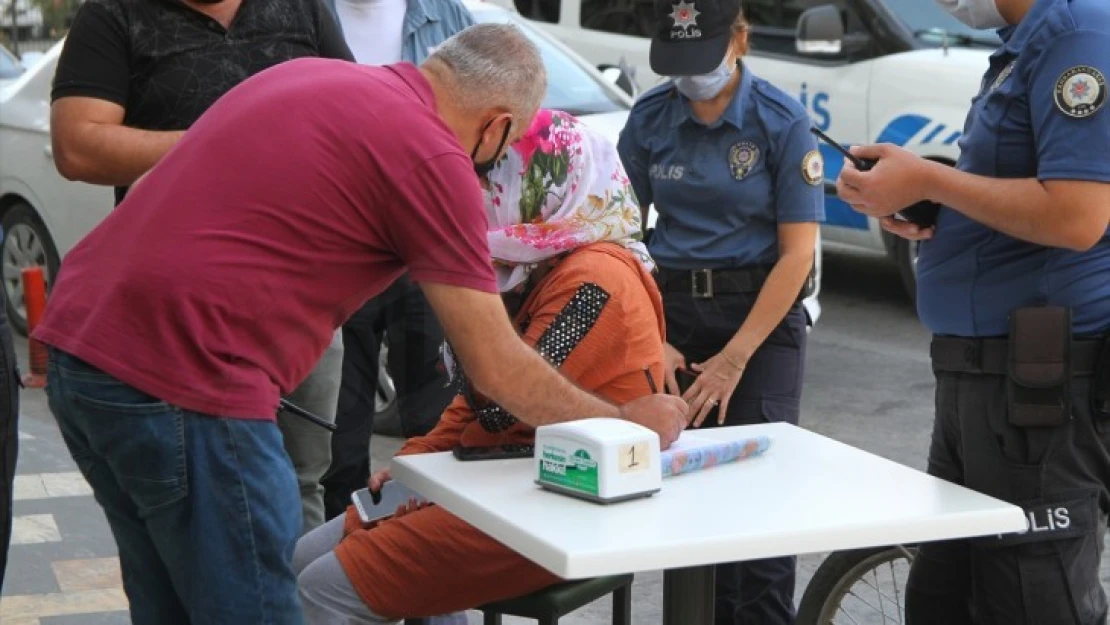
pixel 562 186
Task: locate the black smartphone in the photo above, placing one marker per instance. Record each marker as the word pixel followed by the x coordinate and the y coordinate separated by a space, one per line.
pixel 923 214
pixel 497 452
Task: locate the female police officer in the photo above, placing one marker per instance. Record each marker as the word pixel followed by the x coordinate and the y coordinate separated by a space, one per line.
pixel 731 166
pixel 1015 286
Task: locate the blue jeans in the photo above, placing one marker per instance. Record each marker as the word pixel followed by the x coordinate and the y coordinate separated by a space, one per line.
pixel 205 510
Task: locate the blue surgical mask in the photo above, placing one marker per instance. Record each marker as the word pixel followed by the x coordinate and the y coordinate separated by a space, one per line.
pixel 978 14
pixel 705 86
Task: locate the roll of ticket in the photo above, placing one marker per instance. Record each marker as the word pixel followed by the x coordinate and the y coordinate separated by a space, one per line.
pixel 703 454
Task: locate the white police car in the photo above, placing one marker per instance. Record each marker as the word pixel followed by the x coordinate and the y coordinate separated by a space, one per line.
pixel 897 71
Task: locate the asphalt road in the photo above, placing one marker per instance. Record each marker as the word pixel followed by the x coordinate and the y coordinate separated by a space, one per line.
pixel 868 384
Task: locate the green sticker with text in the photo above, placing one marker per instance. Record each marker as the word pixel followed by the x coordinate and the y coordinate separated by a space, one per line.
pixel 575 471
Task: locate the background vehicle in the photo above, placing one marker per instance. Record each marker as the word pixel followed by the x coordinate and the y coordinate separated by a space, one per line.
pixel 41 213
pixel 10 67
pixel 898 71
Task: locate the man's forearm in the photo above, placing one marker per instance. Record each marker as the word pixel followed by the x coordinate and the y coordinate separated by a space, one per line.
pixel 110 154
pixel 1021 208
pixel 537 394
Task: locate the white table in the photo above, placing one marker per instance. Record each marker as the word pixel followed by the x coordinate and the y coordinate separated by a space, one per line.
pixel 806 494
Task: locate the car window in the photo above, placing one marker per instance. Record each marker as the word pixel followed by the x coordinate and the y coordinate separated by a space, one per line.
pixel 570 87
pixel 930 22
pixel 9 65
pixel 775 21
pixel 785 13
pixel 539 10
pixel 635 18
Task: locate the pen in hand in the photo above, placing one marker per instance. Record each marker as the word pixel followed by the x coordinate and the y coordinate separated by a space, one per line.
pixel 651 381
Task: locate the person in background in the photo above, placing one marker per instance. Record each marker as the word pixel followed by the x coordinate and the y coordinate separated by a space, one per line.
pixel 1014 283
pixel 167 362
pixel 134 75
pixel 381 32
pixel 9 431
pixel 730 164
pixel 569 263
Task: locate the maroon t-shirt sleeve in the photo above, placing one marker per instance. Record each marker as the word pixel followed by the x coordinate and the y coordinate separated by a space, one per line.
pixel 438 225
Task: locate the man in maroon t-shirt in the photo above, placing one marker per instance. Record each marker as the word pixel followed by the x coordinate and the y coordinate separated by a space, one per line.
pixel 214 287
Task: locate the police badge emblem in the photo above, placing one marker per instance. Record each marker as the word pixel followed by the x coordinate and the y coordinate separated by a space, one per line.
pixel 813 168
pixel 1080 91
pixel 742 158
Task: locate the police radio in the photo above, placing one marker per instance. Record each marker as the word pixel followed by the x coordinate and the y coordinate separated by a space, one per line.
pixel 922 214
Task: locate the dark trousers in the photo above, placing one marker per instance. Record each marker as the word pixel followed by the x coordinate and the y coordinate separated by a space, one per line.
pixel 9 433
pixel 401 315
pixel 1050 574
pixel 759 592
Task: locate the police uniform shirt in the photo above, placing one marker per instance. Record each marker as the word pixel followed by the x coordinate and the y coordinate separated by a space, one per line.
pixel 1041 114
pixel 722 189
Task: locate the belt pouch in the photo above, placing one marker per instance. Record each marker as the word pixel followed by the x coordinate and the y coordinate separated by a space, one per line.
pixel 1100 383
pixel 1039 367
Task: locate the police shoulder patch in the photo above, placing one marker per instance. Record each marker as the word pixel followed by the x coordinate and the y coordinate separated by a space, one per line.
pixel 742 158
pixel 813 167
pixel 1080 91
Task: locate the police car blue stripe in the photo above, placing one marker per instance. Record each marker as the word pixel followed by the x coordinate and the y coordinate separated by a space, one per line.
pixel 933 133
pixel 839 214
pixel 902 129
pixel 952 139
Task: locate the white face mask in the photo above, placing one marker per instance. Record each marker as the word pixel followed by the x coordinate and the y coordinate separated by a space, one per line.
pixel 706 86
pixel 978 14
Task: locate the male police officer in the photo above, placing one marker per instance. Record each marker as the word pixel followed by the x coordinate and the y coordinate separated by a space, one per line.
pixel 1015 284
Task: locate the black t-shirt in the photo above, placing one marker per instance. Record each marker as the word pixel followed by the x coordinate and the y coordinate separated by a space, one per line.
pixel 166 63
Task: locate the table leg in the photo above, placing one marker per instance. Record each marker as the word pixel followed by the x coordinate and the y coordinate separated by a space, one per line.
pixel 688 596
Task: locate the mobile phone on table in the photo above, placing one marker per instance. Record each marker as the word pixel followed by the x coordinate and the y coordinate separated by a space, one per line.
pixel 497 452
pixel 923 214
pixel 374 506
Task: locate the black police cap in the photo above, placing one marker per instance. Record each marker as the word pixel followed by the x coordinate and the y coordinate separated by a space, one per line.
pixel 692 36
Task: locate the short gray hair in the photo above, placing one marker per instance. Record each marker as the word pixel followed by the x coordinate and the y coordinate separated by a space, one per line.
pixel 494 66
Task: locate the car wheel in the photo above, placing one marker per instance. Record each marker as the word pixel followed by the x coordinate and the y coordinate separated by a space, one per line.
pixel 905 255
pixel 26 243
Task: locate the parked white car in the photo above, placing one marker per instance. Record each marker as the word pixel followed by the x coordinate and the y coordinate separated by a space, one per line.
pixel 898 71
pixel 10 67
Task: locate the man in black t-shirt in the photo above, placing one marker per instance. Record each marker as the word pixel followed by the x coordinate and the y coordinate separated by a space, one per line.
pixel 135 74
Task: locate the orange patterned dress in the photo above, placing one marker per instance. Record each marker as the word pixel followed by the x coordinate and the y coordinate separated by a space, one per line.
pixel 430 562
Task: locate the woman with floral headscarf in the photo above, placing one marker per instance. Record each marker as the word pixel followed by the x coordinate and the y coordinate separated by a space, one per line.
pixel 564 235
